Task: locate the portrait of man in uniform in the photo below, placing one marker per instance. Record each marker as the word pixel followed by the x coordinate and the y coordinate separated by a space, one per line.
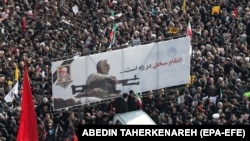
pixel 63 74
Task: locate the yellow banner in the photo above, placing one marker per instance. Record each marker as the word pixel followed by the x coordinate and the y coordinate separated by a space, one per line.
pixel 216 10
pixel 173 30
pixel 184 6
pixel 16 73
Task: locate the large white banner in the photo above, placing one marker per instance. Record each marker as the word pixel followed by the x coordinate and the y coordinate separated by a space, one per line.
pixel 141 68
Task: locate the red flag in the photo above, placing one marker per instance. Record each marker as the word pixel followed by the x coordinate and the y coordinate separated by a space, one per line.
pixel 110 3
pixel 189 31
pixel 24 24
pixel 27 130
pixel 75 137
pixel 235 12
pixel 4 1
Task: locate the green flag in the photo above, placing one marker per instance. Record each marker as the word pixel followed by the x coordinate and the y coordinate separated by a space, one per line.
pixel 112 35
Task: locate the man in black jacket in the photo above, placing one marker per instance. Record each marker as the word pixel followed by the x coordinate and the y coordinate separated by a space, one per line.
pixel 132 101
pixel 120 104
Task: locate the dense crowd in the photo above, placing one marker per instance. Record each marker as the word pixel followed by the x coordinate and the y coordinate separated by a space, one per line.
pixel 40 31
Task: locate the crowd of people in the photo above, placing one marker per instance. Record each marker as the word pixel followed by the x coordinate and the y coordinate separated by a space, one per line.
pixel 37 32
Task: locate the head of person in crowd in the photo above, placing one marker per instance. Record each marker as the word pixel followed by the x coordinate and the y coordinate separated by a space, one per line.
pixel 131 93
